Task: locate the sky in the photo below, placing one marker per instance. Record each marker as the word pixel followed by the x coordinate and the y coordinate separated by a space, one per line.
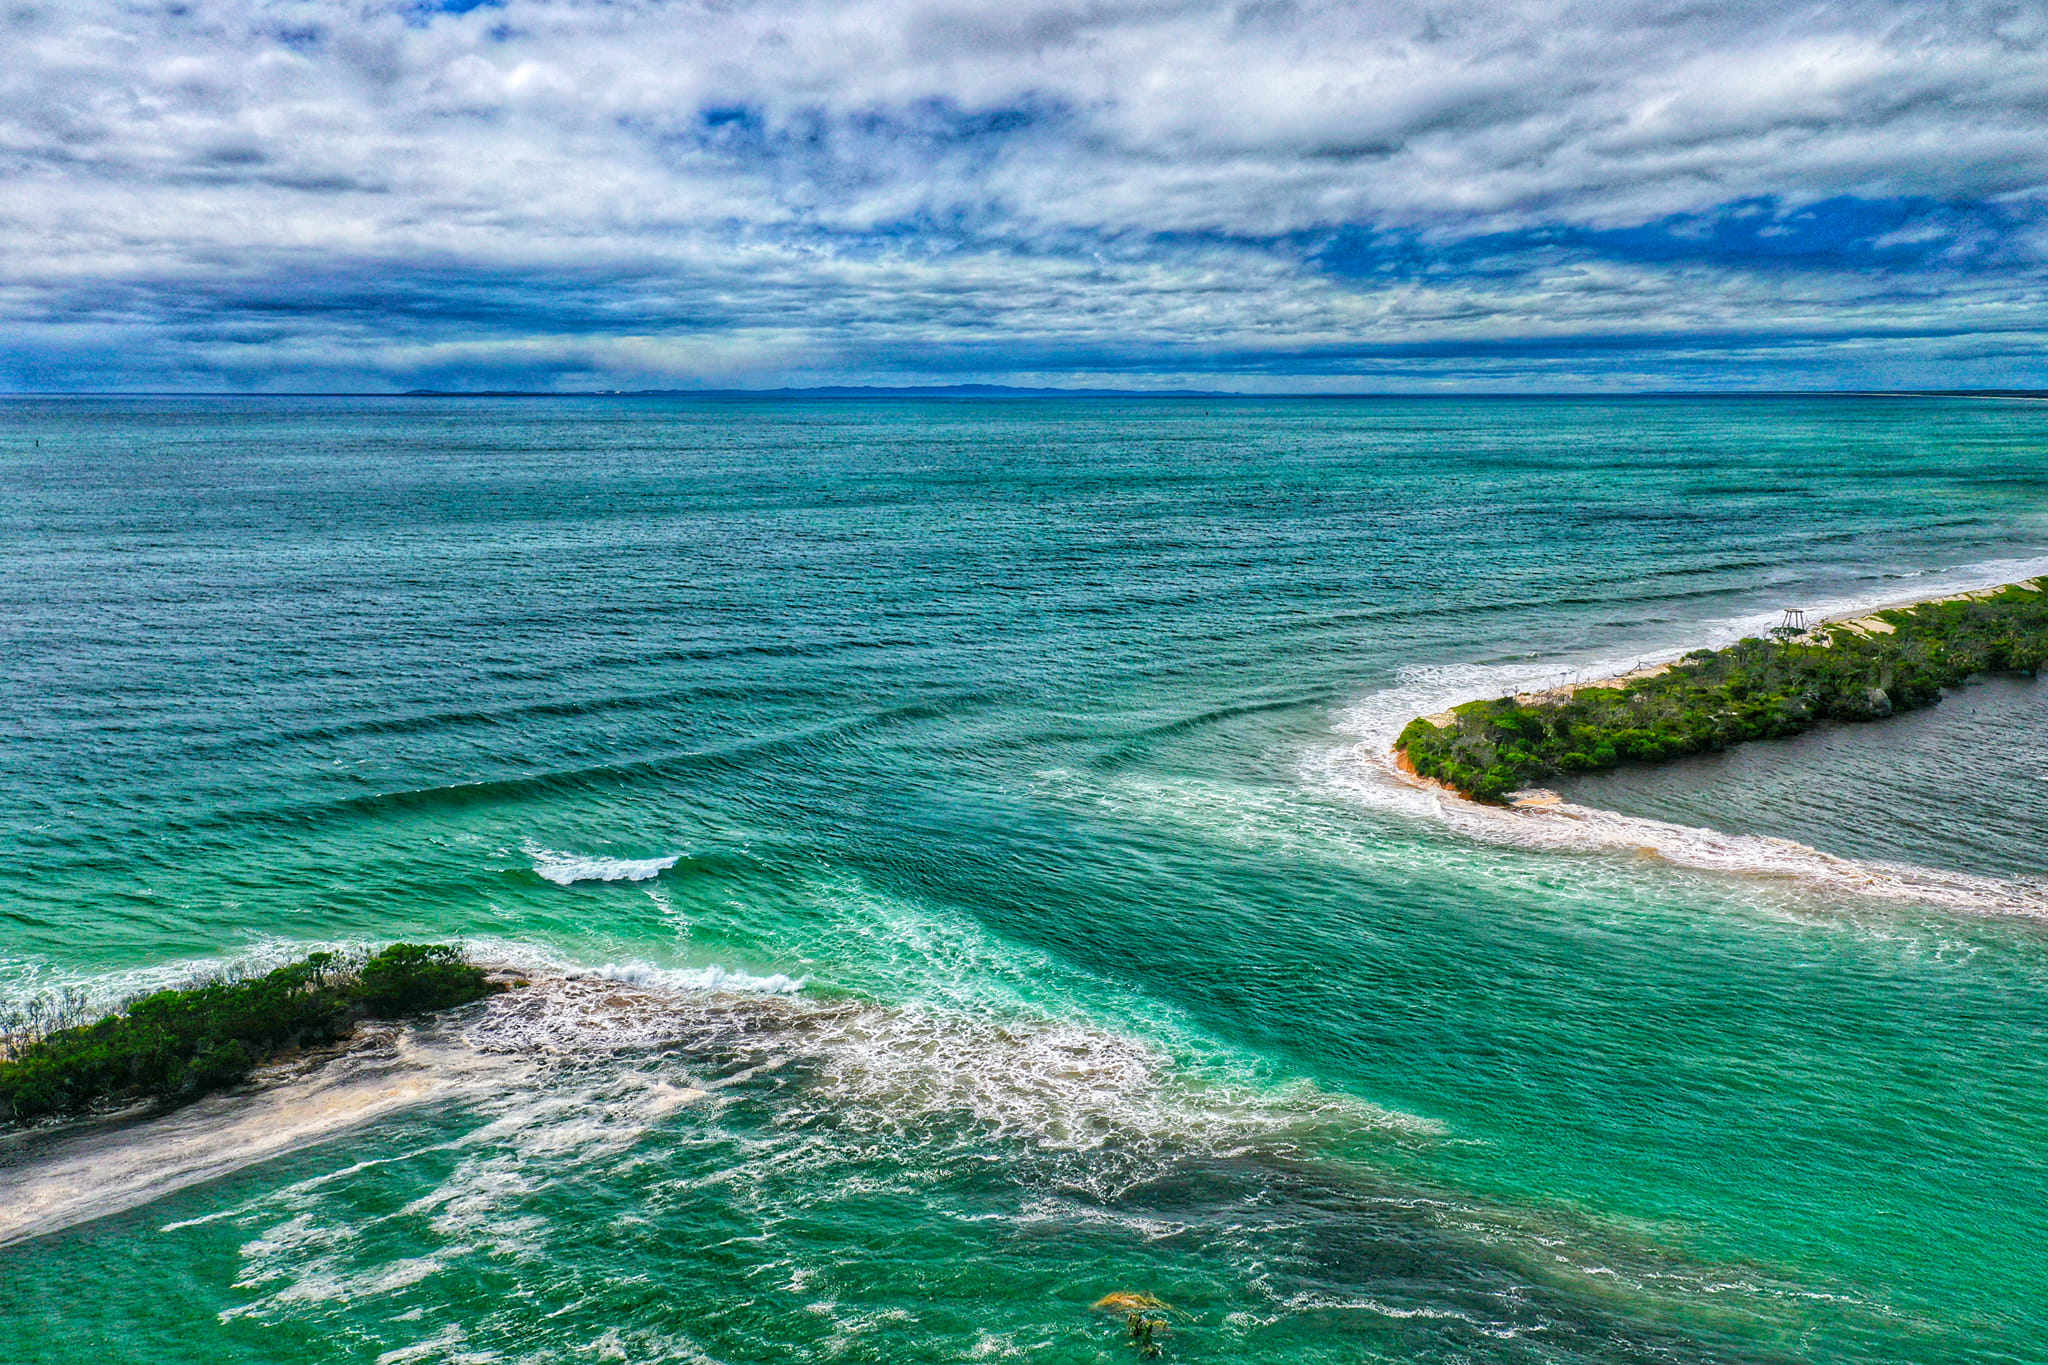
pixel 1262 196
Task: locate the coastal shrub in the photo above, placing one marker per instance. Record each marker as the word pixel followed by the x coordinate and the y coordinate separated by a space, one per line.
pixel 413 978
pixel 1754 689
pixel 175 1045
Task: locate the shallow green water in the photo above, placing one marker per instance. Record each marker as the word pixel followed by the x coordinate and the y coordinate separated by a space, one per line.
pixel 983 792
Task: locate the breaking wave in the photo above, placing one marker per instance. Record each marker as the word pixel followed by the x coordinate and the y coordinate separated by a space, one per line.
pixel 711 978
pixel 566 869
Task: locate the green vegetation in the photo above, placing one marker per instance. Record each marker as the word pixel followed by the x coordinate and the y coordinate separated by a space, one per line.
pixel 1755 689
pixel 175 1045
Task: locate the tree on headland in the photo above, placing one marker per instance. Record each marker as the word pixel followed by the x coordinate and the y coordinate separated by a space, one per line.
pixel 1754 689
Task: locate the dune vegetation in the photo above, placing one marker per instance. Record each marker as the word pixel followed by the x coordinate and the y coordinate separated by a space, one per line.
pixel 172 1046
pixel 1892 661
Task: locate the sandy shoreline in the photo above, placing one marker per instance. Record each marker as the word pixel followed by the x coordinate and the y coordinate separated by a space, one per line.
pixel 73 1172
pixel 623 1050
pixel 77 1173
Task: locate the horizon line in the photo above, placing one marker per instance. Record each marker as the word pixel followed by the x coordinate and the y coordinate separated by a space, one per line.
pixel 1018 391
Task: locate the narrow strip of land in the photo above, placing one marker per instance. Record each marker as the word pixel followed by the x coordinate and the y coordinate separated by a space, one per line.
pixel 171 1047
pixel 1853 668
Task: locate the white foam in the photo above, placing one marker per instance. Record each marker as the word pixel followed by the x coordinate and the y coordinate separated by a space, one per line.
pixel 1308 1302
pixel 1571 825
pixel 1362 769
pixel 576 1067
pixel 442 1345
pixel 716 978
pixel 566 869
pixel 709 978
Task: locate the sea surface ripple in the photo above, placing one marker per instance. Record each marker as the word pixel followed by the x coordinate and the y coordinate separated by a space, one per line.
pixel 943 841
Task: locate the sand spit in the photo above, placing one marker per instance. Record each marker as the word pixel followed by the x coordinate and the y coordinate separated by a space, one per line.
pixel 57 1178
pixel 599 1041
pixel 61 1176
pixel 1378 773
pixel 1863 621
pixel 1541 819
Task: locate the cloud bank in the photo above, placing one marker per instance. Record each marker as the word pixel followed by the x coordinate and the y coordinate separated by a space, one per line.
pixel 294 194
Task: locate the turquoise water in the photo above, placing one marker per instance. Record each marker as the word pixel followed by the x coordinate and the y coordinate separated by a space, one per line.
pixel 977 802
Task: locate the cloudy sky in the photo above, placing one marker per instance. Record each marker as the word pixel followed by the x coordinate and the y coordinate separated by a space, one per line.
pixel 1265 195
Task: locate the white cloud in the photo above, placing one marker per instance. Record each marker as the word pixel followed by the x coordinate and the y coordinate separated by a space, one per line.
pixel 645 191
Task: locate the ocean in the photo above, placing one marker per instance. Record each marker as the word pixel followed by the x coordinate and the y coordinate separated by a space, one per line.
pixel 953 848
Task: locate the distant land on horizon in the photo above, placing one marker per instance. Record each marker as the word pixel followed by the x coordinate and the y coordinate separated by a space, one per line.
pixel 1021 391
pixel 846 391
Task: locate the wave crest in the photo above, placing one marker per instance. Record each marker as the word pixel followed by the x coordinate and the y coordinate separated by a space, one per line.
pixel 566 869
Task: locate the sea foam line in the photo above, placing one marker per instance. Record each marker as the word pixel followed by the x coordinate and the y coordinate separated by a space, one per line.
pixel 711 978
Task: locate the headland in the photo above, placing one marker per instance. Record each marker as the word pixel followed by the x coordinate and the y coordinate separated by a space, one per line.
pixel 1857 667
